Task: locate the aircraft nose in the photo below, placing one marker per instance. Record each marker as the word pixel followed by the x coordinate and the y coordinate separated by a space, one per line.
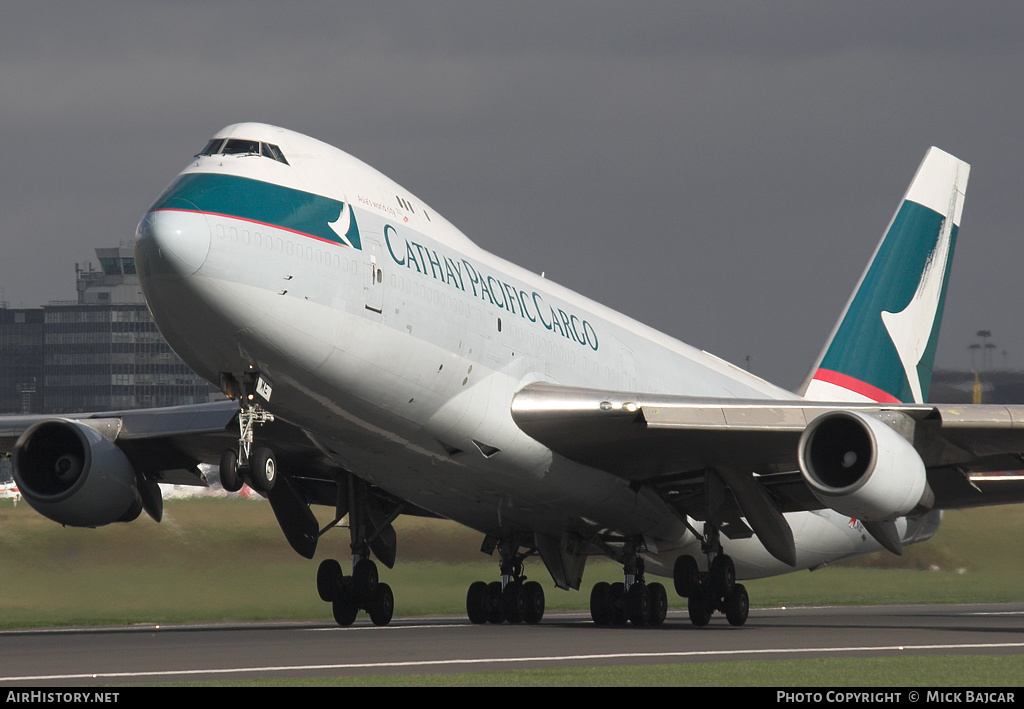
pixel 171 244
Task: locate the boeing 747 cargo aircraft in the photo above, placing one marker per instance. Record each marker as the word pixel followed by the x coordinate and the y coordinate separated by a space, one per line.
pixel 377 362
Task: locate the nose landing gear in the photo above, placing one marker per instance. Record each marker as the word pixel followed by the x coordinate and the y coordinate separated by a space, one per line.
pixel 257 465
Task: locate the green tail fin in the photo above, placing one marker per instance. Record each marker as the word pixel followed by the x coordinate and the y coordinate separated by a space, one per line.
pixel 883 347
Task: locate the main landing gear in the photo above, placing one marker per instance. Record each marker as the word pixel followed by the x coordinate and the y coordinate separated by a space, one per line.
pixel 514 599
pixel 361 591
pixel 634 600
pixel 368 529
pixel 713 590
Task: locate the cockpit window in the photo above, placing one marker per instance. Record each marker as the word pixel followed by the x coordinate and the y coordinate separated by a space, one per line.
pixel 273 152
pixel 239 146
pixel 213 147
pixel 236 146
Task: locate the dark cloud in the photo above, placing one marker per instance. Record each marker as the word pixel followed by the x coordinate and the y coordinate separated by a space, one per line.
pixel 721 171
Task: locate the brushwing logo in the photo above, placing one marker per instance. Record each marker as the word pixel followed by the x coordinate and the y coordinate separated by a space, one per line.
pixel 911 328
pixel 345 226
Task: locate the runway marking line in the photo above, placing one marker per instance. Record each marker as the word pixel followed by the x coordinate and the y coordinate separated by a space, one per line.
pixel 510 660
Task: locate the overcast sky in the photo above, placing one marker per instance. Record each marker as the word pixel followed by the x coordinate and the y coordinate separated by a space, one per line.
pixel 721 171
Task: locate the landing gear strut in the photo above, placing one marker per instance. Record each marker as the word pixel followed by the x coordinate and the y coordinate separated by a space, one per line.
pixel 514 599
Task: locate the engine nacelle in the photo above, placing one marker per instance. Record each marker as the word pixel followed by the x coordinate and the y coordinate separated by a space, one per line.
pixel 70 473
pixel 858 466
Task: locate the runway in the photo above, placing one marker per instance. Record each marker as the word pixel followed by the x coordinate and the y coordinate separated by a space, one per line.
pixel 240 652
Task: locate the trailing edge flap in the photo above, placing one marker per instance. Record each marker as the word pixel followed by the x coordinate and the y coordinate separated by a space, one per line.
pixel 670 440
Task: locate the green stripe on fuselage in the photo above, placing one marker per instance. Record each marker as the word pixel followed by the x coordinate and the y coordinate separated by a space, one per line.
pixel 257 201
pixel 862 347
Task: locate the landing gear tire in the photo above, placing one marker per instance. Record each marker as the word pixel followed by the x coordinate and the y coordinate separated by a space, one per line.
pixel 533 595
pixel 230 480
pixel 600 603
pixel 328 580
pixel 364 580
pixel 638 604
pixel 513 603
pixel 477 603
pixel 345 609
pixel 722 576
pixel 263 469
pixel 659 605
pixel 685 575
pixel 618 604
pixel 382 605
pixel 699 606
pixel 496 610
pixel 737 605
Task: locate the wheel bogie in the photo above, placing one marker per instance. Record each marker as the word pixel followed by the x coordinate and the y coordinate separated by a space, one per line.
pixel 349 595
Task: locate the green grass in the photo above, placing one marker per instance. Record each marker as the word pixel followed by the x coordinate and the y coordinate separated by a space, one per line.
pixel 225 559
pixel 902 672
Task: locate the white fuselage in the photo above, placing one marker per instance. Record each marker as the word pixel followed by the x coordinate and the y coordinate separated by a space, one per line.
pixel 401 357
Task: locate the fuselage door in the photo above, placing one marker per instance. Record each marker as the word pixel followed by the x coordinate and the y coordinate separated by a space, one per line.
pixel 373 279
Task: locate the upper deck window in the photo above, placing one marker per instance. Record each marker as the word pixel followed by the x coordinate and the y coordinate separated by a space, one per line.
pixel 240 146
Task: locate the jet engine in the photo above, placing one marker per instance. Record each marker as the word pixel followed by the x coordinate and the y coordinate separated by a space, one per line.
pixel 70 473
pixel 857 465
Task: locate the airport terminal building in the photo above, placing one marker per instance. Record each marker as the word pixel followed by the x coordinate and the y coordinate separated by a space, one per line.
pixel 97 353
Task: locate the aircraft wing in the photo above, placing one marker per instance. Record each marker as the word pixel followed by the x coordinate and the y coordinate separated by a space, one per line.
pixel 167 444
pixel 670 442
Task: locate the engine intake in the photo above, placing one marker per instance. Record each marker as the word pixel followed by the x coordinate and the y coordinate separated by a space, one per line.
pixel 857 465
pixel 70 473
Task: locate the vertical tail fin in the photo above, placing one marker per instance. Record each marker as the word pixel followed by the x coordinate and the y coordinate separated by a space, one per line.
pixel 883 347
